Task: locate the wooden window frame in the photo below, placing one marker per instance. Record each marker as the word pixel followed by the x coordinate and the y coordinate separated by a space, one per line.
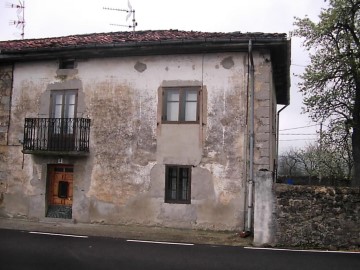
pixel 64 94
pixel 182 94
pixel 179 182
pixel 67 64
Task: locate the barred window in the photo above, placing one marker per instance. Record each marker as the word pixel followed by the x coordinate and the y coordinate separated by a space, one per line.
pixel 177 184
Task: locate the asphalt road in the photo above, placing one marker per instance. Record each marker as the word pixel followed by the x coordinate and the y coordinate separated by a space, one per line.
pixel 27 250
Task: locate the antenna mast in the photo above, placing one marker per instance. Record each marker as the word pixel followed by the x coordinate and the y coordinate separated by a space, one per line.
pixel 20 10
pixel 129 12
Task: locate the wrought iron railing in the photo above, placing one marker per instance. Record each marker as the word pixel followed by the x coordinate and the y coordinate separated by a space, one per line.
pixel 56 134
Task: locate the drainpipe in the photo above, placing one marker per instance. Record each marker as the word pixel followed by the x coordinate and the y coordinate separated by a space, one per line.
pixel 277 138
pixel 251 143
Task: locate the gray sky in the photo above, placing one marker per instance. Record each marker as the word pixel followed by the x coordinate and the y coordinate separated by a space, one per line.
pixel 67 17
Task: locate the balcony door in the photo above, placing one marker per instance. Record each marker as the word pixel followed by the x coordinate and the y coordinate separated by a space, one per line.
pixel 62 122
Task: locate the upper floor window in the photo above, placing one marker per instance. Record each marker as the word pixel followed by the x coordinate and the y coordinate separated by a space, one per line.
pixel 63 103
pixel 63 107
pixel 66 64
pixel 181 105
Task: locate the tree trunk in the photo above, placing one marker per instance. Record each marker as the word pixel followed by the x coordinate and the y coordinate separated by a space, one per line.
pixel 355 181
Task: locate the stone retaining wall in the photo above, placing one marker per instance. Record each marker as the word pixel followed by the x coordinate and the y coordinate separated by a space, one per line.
pixel 317 217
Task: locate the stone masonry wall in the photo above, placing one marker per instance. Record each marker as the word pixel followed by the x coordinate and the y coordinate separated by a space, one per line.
pixel 318 217
pixel 5 93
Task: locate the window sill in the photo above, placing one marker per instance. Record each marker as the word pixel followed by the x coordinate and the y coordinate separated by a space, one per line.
pixel 66 72
pixel 180 123
pixel 178 202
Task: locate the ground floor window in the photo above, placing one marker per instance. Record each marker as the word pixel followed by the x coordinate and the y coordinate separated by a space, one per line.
pixel 177 184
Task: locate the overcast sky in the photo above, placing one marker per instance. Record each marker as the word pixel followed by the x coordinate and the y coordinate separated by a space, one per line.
pixel 67 17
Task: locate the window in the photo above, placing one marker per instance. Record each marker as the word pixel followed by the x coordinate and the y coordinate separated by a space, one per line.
pixel 63 189
pixel 181 105
pixel 62 122
pixel 177 184
pixel 63 105
pixel 67 64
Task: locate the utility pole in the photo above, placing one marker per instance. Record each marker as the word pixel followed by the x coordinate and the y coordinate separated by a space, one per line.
pixel 321 151
pixel 20 10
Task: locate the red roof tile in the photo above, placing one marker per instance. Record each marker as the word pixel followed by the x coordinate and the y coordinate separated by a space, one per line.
pixel 104 39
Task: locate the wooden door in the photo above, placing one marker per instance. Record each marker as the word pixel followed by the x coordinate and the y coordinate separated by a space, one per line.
pixel 60 189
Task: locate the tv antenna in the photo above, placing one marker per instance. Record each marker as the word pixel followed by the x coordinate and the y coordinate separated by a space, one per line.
pixel 130 11
pixel 20 10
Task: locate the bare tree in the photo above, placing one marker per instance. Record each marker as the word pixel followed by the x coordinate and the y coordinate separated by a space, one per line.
pixel 289 164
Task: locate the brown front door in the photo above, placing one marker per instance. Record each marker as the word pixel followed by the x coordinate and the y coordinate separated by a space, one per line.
pixel 60 188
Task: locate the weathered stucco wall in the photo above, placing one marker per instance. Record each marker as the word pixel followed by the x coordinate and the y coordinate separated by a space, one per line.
pixel 264 208
pixel 323 217
pixel 132 189
pixel 123 178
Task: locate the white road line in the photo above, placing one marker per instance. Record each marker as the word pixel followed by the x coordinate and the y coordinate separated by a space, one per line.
pixel 161 243
pixel 60 234
pixel 304 250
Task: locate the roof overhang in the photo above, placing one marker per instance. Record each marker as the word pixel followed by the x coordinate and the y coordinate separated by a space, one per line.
pixel 279 48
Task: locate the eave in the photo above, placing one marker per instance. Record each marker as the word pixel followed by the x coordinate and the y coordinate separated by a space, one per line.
pixel 279 48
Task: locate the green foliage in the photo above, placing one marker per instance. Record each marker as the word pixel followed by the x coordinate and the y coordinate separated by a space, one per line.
pixel 331 83
pixel 336 151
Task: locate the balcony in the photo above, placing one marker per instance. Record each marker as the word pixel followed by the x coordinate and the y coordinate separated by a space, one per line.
pixel 56 136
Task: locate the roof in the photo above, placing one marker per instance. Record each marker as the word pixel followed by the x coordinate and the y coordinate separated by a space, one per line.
pixel 154 43
pixel 98 39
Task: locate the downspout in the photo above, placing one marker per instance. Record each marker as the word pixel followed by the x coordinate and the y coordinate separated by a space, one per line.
pixel 277 139
pixel 251 143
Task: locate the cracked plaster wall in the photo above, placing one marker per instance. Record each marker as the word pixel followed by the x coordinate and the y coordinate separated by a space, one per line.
pixel 123 179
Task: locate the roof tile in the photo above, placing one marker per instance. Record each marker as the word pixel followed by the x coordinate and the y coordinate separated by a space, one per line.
pixel 125 37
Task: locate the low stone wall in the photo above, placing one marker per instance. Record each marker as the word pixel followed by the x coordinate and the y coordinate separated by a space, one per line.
pixel 317 217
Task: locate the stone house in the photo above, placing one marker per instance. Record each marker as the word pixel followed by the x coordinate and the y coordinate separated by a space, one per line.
pixel 147 127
